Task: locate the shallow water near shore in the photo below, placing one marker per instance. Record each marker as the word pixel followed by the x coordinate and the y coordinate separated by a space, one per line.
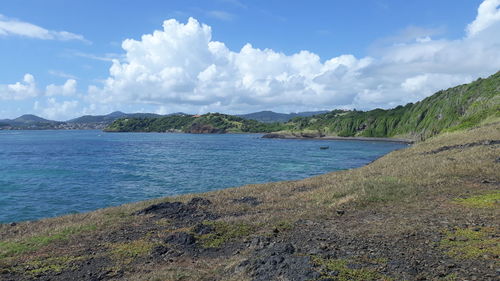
pixel 50 173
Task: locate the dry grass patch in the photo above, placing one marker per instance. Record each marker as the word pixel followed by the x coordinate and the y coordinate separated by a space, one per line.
pixel 342 270
pixel 33 243
pixel 472 243
pixel 488 200
pixel 224 232
pixel 126 252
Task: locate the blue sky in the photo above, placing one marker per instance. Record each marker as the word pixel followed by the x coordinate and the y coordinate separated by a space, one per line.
pixel 56 56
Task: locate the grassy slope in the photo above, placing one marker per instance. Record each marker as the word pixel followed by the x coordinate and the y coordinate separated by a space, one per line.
pixel 460 107
pixel 443 204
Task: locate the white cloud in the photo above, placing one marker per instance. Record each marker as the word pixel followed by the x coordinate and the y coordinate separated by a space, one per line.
pixel 10 27
pixel 28 89
pixel 59 110
pixel 181 67
pixel 19 90
pixel 67 89
pixel 62 74
pixel 220 15
pixel 109 57
pixel 488 14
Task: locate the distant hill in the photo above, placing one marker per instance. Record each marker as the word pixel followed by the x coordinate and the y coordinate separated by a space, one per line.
pixel 270 116
pixel 31 119
pixel 87 122
pixel 109 118
pixel 210 123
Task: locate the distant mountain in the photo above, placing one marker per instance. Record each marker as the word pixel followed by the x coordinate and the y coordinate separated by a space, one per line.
pixel 87 122
pixel 31 119
pixel 110 118
pixel 98 118
pixel 270 116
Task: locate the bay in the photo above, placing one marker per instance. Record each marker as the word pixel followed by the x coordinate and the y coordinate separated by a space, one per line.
pixel 51 173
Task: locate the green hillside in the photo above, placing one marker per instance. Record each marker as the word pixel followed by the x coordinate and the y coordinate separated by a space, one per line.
pixel 270 116
pixel 207 123
pixel 460 107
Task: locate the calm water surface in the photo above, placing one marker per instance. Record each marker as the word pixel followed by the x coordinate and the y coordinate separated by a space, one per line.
pixel 51 173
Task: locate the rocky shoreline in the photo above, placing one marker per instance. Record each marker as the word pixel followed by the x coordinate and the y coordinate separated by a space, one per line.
pixel 304 136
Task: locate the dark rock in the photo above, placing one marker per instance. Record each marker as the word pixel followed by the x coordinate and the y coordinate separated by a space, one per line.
pixel 340 212
pixel 241 267
pixel 179 211
pixel 159 251
pixel 274 136
pixel 201 229
pixel 288 248
pixel 254 201
pixel 278 261
pixel 181 239
pixel 259 242
pixel 462 146
pixel 312 135
pixel 198 201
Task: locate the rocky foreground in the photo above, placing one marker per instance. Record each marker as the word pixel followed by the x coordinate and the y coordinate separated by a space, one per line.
pixel 428 212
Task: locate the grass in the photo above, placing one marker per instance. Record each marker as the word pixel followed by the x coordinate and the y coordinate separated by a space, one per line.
pixel 127 252
pixel 284 225
pixel 471 243
pixel 343 270
pixel 488 200
pixel 224 232
pixel 387 188
pixel 43 265
pixel 33 243
pixel 55 264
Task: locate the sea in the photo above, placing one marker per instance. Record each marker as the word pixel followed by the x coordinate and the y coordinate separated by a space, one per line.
pixel 51 173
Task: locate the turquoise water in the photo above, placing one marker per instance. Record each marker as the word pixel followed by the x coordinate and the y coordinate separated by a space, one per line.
pixel 51 173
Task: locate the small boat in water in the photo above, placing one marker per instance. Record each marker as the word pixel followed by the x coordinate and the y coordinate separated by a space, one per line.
pixel 324 147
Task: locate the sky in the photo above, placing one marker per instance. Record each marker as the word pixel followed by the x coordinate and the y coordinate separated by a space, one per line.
pixel 63 59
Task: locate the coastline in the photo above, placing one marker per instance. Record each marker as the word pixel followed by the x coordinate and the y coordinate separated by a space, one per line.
pixel 294 137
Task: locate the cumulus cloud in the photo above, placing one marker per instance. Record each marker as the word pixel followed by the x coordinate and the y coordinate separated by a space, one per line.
pixel 67 89
pixel 10 27
pixel 56 110
pixel 19 90
pixel 488 14
pixel 180 66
